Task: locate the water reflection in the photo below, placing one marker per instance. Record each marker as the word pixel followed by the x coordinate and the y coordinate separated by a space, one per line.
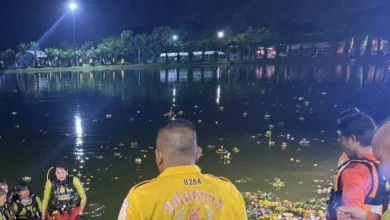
pixel 174 95
pixel 39 84
pixel 79 131
pixel 218 94
pixel 110 118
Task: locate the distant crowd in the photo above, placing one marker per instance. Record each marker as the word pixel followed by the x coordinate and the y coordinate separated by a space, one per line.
pixel 182 191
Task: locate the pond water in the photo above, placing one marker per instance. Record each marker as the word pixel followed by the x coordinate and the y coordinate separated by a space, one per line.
pixel 100 122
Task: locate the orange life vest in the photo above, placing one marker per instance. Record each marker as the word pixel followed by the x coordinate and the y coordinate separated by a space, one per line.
pixel 373 201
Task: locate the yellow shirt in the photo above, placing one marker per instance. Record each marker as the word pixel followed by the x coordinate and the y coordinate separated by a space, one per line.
pixel 183 192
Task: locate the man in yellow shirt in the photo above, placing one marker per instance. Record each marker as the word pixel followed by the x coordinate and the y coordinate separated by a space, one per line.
pixel 182 191
pixel 66 195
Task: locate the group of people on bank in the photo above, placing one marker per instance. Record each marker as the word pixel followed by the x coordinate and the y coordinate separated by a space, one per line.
pixel 182 191
pixel 64 199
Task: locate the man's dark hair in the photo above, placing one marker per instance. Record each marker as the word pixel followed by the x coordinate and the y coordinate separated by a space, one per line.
pixel 62 165
pixel 361 125
pixel 22 186
pixel 350 111
pixel 3 182
pixel 179 135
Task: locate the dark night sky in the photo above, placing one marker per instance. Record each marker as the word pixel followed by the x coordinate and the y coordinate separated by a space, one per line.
pixel 29 20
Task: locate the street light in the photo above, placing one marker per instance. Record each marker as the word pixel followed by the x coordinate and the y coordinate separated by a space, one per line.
pixel 73 7
pixel 221 34
pixel 175 37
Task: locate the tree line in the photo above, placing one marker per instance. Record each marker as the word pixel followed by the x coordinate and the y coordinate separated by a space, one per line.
pixel 147 47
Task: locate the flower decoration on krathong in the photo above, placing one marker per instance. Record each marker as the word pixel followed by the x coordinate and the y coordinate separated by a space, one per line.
pixel 262 205
pixel 277 184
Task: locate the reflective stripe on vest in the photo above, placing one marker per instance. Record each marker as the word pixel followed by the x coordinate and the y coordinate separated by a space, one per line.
pixel 377 209
pixel 375 183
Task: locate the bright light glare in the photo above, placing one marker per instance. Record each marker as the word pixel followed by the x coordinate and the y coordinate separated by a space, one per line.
pixel 175 37
pixel 221 34
pixel 218 94
pixel 72 6
pixel 79 131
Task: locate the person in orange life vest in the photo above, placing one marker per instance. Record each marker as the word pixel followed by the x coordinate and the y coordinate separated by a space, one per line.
pixel 344 157
pixel 358 181
pixel 381 150
pixel 182 191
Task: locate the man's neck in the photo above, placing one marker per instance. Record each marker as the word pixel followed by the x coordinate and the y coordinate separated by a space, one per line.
pixel 363 150
pixel 178 163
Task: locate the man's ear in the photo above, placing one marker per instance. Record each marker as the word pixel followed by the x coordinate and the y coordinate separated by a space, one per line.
pixel 198 153
pixel 352 139
pixel 159 157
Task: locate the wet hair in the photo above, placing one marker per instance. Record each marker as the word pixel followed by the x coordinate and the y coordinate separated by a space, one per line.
pixel 361 125
pixel 350 111
pixel 3 182
pixel 62 165
pixel 3 192
pixel 22 186
pixel 179 135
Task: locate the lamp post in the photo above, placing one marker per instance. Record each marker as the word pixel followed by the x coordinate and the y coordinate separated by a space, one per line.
pixel 221 35
pixel 175 38
pixel 73 7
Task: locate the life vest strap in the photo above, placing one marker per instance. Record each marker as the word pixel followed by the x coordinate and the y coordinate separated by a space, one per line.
pixel 385 203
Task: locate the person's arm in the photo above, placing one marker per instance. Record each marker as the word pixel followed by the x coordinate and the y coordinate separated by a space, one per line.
pixel 8 214
pixel 355 186
pixel 80 190
pixel 372 216
pixel 39 203
pixel 13 208
pixel 46 198
pixel 348 213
